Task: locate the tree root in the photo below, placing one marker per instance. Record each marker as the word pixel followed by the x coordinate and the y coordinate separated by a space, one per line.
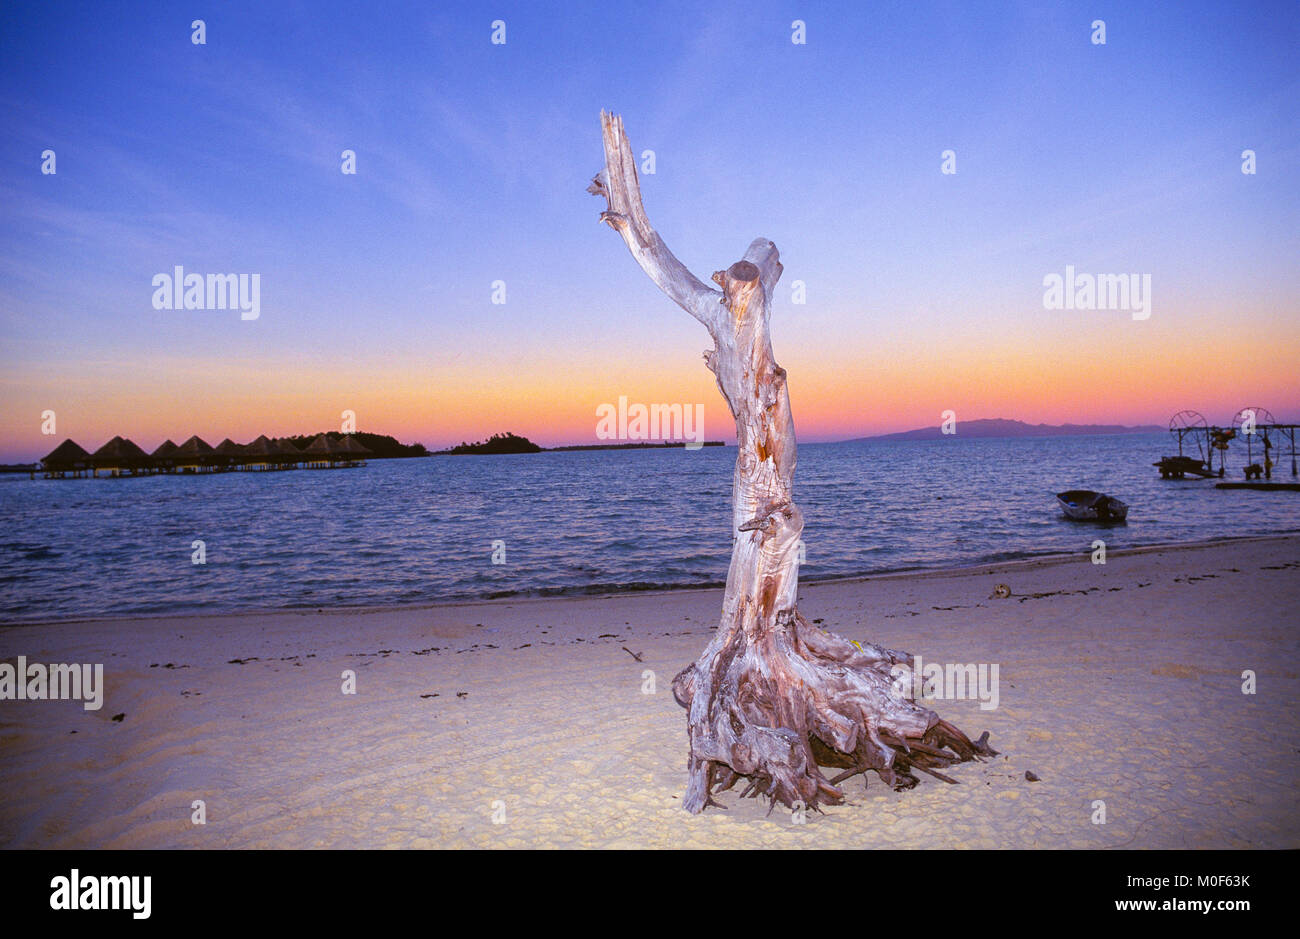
pixel 772 706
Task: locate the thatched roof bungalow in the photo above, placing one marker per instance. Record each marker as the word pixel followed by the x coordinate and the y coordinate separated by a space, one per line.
pixel 227 454
pixel 117 457
pixel 164 458
pixel 193 456
pixel 67 457
pixel 325 451
pixel 289 448
pixel 320 453
pixel 352 451
pixel 265 453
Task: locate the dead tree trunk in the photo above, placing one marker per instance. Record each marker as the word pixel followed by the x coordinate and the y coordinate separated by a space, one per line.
pixel 772 696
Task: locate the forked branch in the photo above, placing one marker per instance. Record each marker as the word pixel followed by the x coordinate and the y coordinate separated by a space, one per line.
pixel 617 182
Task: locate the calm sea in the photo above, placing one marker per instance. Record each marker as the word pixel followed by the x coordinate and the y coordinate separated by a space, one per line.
pixel 415 531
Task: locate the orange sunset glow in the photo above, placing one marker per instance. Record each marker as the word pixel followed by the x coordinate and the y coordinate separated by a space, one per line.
pixel 837 393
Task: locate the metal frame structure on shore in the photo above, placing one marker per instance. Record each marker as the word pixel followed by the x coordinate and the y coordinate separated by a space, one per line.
pixel 1250 425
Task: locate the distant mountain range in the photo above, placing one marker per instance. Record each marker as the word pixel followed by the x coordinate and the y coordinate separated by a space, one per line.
pixel 1000 427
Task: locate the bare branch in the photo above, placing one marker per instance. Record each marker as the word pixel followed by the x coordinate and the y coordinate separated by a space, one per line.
pixel 626 215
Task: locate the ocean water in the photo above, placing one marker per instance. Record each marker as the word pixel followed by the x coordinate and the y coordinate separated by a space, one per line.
pixel 401 532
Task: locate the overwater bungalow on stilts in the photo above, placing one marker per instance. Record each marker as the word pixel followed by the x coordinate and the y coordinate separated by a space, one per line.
pixel 66 461
pixel 227 456
pixel 265 454
pixel 352 452
pixel 119 457
pixel 164 458
pixel 194 456
pixel 292 456
pixel 321 453
pixel 326 453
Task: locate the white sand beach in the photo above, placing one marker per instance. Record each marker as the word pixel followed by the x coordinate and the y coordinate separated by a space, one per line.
pixel 1120 683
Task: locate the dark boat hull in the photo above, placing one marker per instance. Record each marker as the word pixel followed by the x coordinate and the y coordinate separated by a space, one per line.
pixel 1180 467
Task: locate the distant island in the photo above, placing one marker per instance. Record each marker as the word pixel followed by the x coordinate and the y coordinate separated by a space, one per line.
pixel 1000 427
pixel 513 443
pixel 497 443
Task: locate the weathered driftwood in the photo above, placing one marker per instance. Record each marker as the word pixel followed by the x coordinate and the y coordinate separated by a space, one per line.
pixel 772 696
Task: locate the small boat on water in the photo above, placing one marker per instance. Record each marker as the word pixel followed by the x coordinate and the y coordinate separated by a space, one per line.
pixel 1084 505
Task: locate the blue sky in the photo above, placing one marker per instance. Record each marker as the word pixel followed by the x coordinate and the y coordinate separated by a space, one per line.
pixel 472 159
